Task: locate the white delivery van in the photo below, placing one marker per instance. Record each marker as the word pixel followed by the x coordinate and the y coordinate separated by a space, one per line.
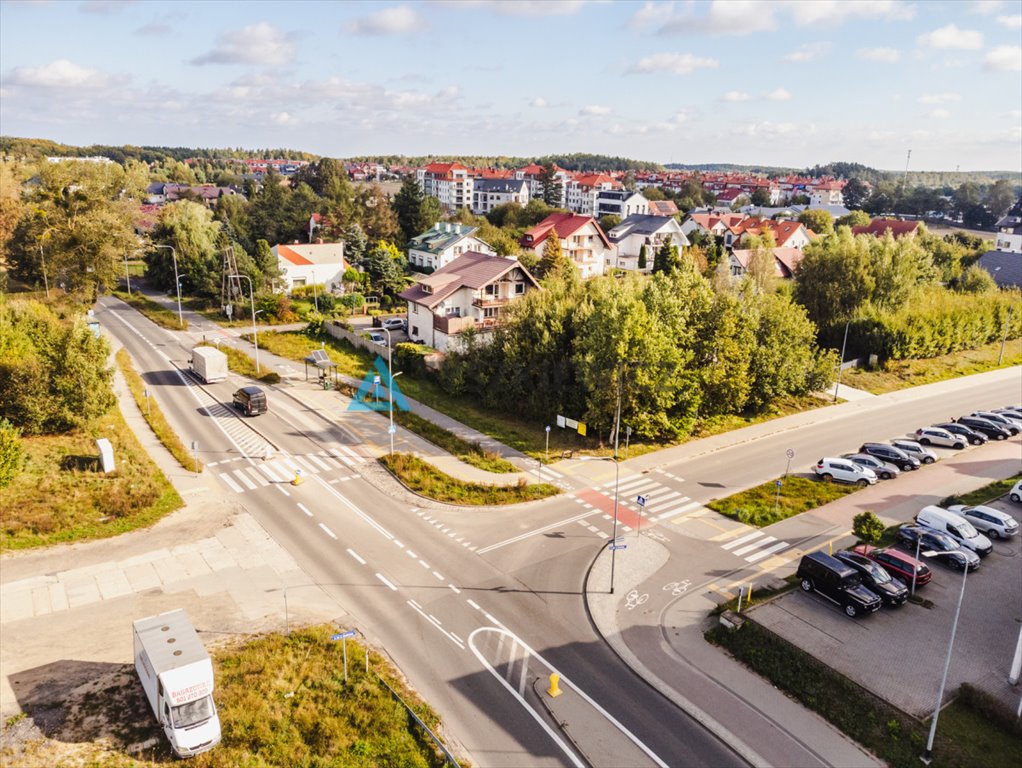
pixel 955 526
pixel 177 676
pixel 209 364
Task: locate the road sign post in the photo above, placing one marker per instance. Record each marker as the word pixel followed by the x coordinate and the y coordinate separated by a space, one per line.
pixel 777 496
pixel 343 637
pixel 548 443
pixel 641 501
pixel 790 453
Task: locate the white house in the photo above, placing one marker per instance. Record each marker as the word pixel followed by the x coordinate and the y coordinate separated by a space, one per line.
pixel 308 263
pixel 582 241
pixel 450 183
pixel 582 192
pixel 637 231
pixel 1009 234
pixel 828 192
pixel 437 247
pixel 531 173
pixel 471 292
pixel 487 194
pixel 622 203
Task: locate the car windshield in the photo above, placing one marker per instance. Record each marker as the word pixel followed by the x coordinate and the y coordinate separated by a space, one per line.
pixel 879 575
pixel 193 713
pixel 966 529
pixel 852 580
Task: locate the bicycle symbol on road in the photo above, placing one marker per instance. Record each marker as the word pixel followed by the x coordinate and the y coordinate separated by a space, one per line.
pixel 656 536
pixel 633 599
pixel 677 588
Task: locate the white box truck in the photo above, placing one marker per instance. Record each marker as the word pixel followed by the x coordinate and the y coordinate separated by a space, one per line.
pixel 177 676
pixel 209 364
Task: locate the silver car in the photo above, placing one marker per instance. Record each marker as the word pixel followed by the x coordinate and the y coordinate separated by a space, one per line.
pixel 912 448
pixel 939 436
pixel 992 522
pixel 880 468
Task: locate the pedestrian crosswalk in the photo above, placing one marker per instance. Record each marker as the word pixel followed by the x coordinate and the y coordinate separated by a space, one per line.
pixel 285 468
pixel 755 546
pixel 661 502
pixel 249 442
pixel 547 474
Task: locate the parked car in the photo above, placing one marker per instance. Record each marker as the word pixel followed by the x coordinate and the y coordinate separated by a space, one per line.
pixel 250 400
pixel 889 453
pixel 838 582
pixel 844 471
pixel 376 337
pixel 881 469
pixel 986 427
pixel 939 436
pixel 1016 493
pixel 1000 420
pixel 1011 413
pixel 395 324
pixel 954 555
pixel 898 564
pixel 875 578
pixel 993 522
pixel 971 435
pixel 912 448
pixel 955 526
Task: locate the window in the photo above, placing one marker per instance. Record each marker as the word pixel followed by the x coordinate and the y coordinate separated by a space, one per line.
pixel 490 312
pixel 490 289
pixel 519 288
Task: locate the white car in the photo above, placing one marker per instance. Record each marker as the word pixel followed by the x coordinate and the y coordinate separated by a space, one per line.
pixel 377 337
pixel 394 324
pixel 938 436
pixel 993 522
pixel 912 448
pixel 844 471
pixel 1016 493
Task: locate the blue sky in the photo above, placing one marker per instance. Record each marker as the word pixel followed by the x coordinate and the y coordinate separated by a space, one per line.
pixel 782 83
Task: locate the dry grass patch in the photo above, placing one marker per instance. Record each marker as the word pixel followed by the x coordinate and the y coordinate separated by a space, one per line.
pixel 426 480
pixel 241 363
pixel 296 345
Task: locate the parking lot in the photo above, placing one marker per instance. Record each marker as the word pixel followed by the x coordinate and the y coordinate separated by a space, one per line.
pixel 899 653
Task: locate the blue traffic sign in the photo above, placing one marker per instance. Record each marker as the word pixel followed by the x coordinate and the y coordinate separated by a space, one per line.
pixel 392 429
pixel 342 635
pixel 640 500
pixel 619 546
pixel 779 483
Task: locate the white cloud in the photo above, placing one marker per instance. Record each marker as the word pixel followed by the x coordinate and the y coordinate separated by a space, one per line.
pixel 986 7
pixel 767 129
pixel 57 74
pixel 1015 114
pixel 154 29
pixel 397 20
pixel 1004 58
pixel 539 102
pixel 780 94
pixel 651 14
pixel 1010 22
pixel 939 98
pixel 886 55
pixel 807 52
pixel 938 114
pixel 674 63
pixel 104 7
pixel 952 37
pixel 735 97
pixel 260 43
pixel 519 7
pixel 806 12
pixel 282 118
pixel 594 109
pixel 724 17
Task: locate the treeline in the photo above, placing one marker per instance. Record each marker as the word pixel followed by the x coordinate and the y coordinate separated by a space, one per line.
pixel 36 148
pixel 578 161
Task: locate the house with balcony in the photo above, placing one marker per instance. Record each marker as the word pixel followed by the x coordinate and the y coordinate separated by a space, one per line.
pixel 583 191
pixel 310 263
pixel 531 174
pixel 582 240
pixel 637 231
pixel 450 183
pixel 488 193
pixel 443 243
pixel 786 261
pixel 470 293
pixel 621 203
pixel 1009 234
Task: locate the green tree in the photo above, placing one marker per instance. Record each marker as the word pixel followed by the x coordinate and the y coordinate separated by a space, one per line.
pixel 268 211
pixel 553 262
pixel 762 269
pixel 760 196
pixel 975 279
pixel 867 527
pixel 12 452
pixel 834 278
pixel 378 218
pixel 724 353
pixel 197 242
pixel 897 266
pixel 355 243
pixel 266 263
pixel 386 266
pixel 609 221
pixel 409 205
pixel 853 219
pixel 666 258
pixel 551 188
pixel 819 221
pixel 642 257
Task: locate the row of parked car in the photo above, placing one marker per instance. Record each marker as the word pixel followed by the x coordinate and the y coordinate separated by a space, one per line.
pixel 885 461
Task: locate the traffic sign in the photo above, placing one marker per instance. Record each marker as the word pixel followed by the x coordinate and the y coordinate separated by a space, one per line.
pixel 640 500
pixel 343 635
pixel 391 429
pixel 790 453
pixel 376 379
pixel 778 483
pixel 619 546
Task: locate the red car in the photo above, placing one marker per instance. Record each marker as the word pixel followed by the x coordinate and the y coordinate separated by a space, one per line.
pixel 898 564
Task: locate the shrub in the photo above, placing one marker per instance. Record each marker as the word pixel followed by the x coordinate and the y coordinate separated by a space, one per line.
pixel 12 452
pixel 867 527
pixel 352 300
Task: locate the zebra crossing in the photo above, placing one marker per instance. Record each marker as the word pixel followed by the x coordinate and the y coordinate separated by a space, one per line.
pixel 546 473
pixel 284 468
pixel 249 442
pixel 755 546
pixel 662 501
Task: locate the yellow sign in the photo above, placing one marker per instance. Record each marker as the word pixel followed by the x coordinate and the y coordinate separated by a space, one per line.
pixel 582 429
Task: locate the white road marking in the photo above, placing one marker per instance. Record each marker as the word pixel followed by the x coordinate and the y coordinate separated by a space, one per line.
pixel 474 604
pixel 240 474
pixel 358 557
pixel 304 509
pixel 437 576
pixel 454 589
pixel 328 532
pixel 535 532
pixel 230 483
pixel 383 578
pixel 282 490
pixel 424 564
pixel 768 551
pixel 343 499
pixel 436 623
pixel 754 545
pixel 314 459
pixel 736 542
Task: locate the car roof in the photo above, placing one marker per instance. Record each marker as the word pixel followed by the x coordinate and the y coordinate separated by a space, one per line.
pixel 251 390
pixel 831 562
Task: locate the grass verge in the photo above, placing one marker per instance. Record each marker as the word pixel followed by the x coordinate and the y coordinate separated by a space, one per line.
pixel 890 733
pixel 241 363
pixel 470 453
pixel 153 415
pixel 158 313
pixel 755 506
pixel 61 496
pixel 899 374
pixel 296 345
pixel 987 493
pixel 426 480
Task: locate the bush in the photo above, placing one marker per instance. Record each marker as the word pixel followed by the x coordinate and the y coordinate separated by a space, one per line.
pixel 12 452
pixel 411 358
pixel 867 527
pixel 352 300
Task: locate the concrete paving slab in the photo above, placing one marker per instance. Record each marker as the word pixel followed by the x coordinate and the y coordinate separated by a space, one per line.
pixel 170 570
pixel 113 584
pixel 194 564
pixel 142 576
pixel 58 597
pixel 40 601
pixel 16 605
pixel 82 592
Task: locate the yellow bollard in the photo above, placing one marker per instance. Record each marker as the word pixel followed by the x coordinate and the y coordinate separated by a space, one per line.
pixel 555 686
pixel 830 547
pixel 298 477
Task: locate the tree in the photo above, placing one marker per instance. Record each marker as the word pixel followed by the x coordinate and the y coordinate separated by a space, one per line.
pixel 978 216
pixel 724 353
pixel 196 239
pixel 653 193
pixel 355 243
pixel 551 188
pixel 666 258
pixel 853 219
pixel 410 206
pixel 855 193
pixel 386 267
pixel 609 221
pixel 762 269
pixel 378 219
pixel 975 279
pixel 642 256
pixel 867 527
pixel 834 278
pixel 760 196
pixel 819 221
pixel 553 262
pixel 12 452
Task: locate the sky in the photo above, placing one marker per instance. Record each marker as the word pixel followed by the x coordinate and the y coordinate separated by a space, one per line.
pixel 770 82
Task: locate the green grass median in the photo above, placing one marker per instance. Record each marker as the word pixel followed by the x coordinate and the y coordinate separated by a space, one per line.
pixel 757 506
pixel 426 480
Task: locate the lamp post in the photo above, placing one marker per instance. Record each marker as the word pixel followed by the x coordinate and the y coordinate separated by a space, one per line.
pixel 1004 338
pixel 255 335
pixel 315 295
pixel 127 276
pixel 617 463
pixel 548 444
pixel 841 362
pixel 177 283
pixel 947 661
pixel 390 389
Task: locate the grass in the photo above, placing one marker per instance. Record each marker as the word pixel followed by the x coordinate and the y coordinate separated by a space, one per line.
pixel 296 345
pixel 755 506
pixel 888 732
pixel 899 374
pixel 61 495
pixel 163 317
pixel 470 453
pixel 987 493
pixel 241 363
pixel 426 480
pixel 153 415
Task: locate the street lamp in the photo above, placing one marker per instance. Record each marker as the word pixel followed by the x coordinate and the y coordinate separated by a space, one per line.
pixel 177 283
pixel 127 276
pixel 390 388
pixel 315 295
pixel 617 463
pixel 841 362
pixel 255 334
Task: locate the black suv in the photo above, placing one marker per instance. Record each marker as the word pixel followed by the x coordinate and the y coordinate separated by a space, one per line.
pixel 974 437
pixel 250 400
pixel 838 582
pixel 985 427
pixel 954 554
pixel 891 455
pixel 875 578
